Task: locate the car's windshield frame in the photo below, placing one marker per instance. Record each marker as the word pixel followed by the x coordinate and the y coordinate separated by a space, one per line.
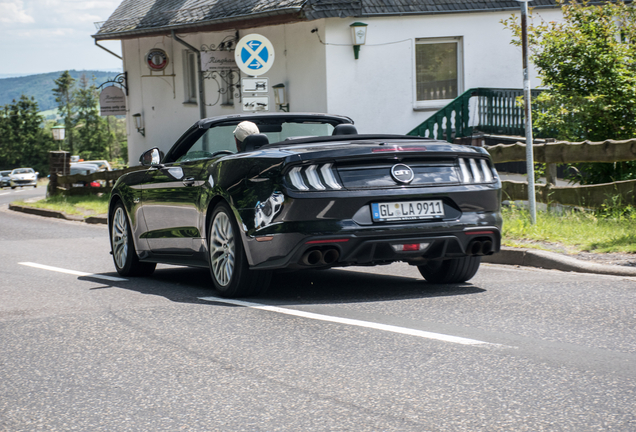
pixel 267 123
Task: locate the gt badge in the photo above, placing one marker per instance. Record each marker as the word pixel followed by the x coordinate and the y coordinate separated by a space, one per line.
pixel 402 173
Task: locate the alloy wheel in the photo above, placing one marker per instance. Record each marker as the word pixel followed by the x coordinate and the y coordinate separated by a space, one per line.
pixel 120 237
pixel 222 249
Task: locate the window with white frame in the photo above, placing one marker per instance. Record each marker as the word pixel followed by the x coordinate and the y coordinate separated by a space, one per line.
pixel 438 70
pixel 190 76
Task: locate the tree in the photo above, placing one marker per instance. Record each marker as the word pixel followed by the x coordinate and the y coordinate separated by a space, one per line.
pixel 588 64
pixel 64 95
pixel 93 136
pixel 23 140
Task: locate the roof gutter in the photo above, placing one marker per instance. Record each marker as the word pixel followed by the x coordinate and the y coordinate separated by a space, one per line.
pixel 107 50
pixel 202 111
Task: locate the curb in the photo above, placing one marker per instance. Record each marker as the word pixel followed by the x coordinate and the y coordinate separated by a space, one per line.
pixel 59 215
pixel 554 261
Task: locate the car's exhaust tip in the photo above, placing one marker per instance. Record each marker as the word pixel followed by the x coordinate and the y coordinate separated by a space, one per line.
pixel 317 257
pixel 475 248
pixel 330 256
pixel 486 248
pixel 312 257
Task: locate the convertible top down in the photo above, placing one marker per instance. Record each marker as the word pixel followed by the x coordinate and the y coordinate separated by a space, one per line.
pixel 308 191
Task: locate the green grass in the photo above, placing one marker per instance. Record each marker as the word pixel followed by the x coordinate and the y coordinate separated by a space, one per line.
pixel 76 205
pixel 610 229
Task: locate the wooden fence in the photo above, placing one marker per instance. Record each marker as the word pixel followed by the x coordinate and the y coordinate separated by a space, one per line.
pixel 64 185
pixel 570 152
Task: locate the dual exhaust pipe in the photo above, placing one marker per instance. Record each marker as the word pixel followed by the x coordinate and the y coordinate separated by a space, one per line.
pixel 480 247
pixel 318 257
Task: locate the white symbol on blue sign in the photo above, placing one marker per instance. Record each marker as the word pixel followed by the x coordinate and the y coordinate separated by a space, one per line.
pixel 254 55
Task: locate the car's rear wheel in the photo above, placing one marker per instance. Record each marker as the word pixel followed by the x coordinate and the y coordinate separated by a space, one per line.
pixel 228 263
pixel 448 271
pixel 123 247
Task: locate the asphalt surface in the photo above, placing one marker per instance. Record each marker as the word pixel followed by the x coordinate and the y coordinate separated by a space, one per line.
pixel 358 349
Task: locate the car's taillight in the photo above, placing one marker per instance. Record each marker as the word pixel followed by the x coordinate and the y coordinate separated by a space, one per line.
pixel 475 171
pixel 316 177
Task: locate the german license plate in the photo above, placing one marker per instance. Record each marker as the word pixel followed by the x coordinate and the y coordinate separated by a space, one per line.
pixel 407 210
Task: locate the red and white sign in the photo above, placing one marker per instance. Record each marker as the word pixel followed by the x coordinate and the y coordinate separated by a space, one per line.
pixel 157 59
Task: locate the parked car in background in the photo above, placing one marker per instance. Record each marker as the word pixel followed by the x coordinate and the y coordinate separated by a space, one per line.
pixel 5 180
pixel 84 169
pixel 308 192
pixel 102 165
pixel 23 177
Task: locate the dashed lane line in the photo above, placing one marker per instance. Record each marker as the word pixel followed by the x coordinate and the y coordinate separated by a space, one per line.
pixel 72 272
pixel 351 322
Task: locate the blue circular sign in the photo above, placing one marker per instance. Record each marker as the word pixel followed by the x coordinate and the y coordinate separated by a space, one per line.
pixel 254 54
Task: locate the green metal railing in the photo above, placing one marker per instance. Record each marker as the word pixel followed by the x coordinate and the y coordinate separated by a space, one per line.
pixel 497 112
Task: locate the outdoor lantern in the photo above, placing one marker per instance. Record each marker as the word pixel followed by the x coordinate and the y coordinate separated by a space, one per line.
pixel 58 132
pixel 359 36
pixel 139 124
pixel 281 97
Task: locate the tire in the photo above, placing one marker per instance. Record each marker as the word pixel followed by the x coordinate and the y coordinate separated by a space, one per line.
pixel 450 271
pixel 228 263
pixel 123 247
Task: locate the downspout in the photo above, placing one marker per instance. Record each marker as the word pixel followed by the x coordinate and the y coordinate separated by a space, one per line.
pixel 107 50
pixel 202 113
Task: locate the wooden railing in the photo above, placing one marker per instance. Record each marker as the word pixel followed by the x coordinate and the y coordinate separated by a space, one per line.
pixel 591 196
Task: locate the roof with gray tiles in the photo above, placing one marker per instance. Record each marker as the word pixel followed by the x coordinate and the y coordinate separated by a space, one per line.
pixel 149 16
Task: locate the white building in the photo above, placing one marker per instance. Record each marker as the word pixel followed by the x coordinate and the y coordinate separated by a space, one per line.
pixel 418 56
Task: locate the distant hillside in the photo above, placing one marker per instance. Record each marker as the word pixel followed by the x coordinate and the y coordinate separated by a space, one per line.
pixel 41 86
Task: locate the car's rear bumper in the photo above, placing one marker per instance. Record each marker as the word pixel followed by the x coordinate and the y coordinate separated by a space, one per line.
pixel 471 234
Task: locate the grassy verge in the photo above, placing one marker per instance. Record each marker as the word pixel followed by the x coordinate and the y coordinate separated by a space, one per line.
pixel 76 205
pixel 607 230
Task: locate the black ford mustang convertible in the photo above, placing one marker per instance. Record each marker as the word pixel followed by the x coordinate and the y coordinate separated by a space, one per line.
pixel 308 191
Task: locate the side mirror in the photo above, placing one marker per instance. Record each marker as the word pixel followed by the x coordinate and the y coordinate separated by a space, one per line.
pixel 151 157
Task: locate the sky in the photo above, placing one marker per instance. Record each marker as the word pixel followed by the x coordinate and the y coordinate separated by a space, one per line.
pixel 39 36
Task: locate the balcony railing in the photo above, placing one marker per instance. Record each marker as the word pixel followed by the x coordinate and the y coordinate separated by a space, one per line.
pixel 487 110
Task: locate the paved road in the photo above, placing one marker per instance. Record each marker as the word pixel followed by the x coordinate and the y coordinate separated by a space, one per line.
pixel 8 195
pixel 351 350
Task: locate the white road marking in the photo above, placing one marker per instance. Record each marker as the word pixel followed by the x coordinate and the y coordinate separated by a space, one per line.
pixel 72 272
pixel 353 322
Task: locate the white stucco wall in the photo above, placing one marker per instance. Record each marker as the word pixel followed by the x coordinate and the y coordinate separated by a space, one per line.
pixel 378 89
pixel 159 96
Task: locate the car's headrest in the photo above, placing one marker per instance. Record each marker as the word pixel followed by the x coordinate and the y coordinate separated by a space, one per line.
pixel 252 142
pixel 345 129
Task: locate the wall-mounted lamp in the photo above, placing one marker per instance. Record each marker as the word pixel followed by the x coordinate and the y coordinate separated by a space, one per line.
pixel 139 124
pixel 359 36
pixel 281 97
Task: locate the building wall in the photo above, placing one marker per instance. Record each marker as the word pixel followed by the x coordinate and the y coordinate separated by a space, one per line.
pixel 378 89
pixel 159 96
